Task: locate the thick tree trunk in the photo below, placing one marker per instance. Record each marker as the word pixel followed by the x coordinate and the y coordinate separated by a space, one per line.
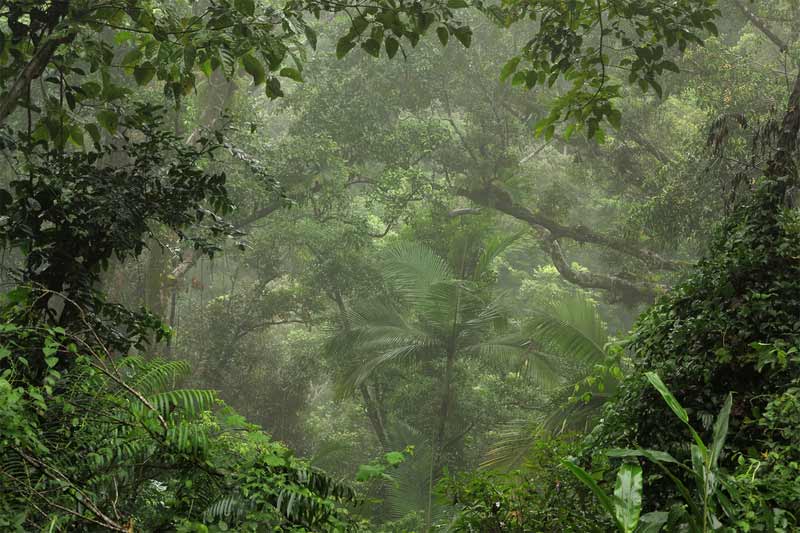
pixel 782 164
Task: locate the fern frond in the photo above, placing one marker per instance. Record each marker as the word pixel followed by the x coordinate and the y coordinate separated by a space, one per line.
pixel 186 437
pixel 190 402
pixel 158 375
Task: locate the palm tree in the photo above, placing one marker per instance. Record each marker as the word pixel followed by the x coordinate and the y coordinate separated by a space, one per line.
pixel 571 332
pixel 435 315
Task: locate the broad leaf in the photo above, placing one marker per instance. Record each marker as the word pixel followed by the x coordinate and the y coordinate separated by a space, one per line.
pixel 246 7
pixel 391 45
pixel 144 73
pixel 628 496
pixel 255 68
pixel 344 45
pixel 464 35
pixel 652 522
pixel 720 430
pixel 605 500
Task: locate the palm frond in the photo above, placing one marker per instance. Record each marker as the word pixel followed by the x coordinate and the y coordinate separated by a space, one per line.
pixel 412 489
pixel 492 250
pixel 514 440
pixel 411 269
pixel 571 327
pixel 398 348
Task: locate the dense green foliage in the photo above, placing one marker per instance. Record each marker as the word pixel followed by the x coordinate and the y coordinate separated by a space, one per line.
pixel 377 266
pixel 110 443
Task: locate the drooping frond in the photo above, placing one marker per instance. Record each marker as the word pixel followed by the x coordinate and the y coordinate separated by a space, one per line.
pixel 513 443
pixel 564 415
pixel 413 490
pixel 574 415
pixel 492 250
pixel 412 268
pixel 569 337
pixel 229 508
pixel 389 350
pixel 516 352
pixel 377 333
pixel 572 327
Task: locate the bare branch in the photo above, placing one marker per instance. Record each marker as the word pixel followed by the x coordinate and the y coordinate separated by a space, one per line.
pixel 629 291
pixel 761 25
pixel 495 198
pixel 464 211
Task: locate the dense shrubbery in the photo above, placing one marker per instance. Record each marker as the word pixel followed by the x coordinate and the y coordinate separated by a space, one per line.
pixel 108 443
pixel 724 330
pixel 540 496
pixel 731 328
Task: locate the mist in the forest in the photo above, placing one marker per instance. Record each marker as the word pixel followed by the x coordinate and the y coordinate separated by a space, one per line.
pixel 399 267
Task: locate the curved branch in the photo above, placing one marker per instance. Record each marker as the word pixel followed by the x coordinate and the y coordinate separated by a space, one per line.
pixel 629 291
pixel 34 69
pixel 756 21
pixel 495 198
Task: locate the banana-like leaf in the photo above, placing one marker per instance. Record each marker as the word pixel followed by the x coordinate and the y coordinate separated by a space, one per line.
pixel 605 500
pixel 720 431
pixel 700 472
pixel 652 455
pixel 665 393
pixel 628 496
pixel 676 407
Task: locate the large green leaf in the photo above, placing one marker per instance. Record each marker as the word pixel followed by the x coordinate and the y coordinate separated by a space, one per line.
pixel 255 68
pixel 720 430
pixel 652 455
pixel 628 496
pixel 676 407
pixel 605 500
